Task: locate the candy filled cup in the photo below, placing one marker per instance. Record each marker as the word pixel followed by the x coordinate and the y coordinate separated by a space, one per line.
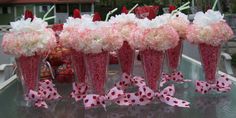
pixel 78 63
pixel 152 61
pixel 96 66
pixel 174 57
pixel 210 58
pixel 29 71
pixel 126 58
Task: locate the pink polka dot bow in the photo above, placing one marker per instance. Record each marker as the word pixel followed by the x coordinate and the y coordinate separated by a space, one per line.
pixel 45 92
pixel 144 95
pixel 175 76
pixel 92 100
pixel 223 84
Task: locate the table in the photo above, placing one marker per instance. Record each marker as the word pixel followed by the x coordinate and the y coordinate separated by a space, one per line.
pixel 202 106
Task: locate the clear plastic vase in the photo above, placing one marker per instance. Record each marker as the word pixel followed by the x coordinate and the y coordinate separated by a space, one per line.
pixel 152 62
pixel 126 58
pixel 96 66
pixel 173 56
pixel 210 58
pixel 29 71
pixel 78 63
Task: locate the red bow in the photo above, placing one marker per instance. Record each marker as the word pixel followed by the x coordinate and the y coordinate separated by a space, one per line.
pixel 175 76
pixel 223 84
pixel 46 92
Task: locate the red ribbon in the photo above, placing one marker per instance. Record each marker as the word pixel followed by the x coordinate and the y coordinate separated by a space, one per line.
pixel 223 84
pixel 143 96
pixel 46 92
pixel 175 76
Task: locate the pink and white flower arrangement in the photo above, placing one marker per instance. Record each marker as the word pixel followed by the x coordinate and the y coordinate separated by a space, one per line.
pixel 125 24
pixel 180 23
pixel 209 28
pixel 28 38
pixel 88 36
pixel 72 29
pixel 156 34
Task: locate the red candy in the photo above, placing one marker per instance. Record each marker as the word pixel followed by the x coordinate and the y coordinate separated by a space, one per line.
pixel 210 57
pixel 96 65
pixel 152 64
pixel 76 13
pixel 124 10
pixel 77 59
pixel 96 17
pixel 29 14
pixel 126 58
pixel 174 56
pixel 29 67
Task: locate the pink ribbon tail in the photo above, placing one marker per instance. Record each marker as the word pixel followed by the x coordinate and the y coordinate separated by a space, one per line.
pixel 176 76
pixel 223 84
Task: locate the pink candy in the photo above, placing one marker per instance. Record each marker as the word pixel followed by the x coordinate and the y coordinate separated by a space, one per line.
pixel 152 64
pixel 210 57
pixel 29 68
pixel 77 59
pixel 96 65
pixel 126 58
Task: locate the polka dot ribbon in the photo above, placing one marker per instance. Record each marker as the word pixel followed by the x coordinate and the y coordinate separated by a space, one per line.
pixel 175 76
pixel 92 100
pixel 45 92
pixel 223 84
pixel 144 95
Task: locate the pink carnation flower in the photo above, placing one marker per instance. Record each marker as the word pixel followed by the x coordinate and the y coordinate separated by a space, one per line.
pixel 180 24
pixel 161 38
pixel 125 32
pixel 28 43
pixel 209 28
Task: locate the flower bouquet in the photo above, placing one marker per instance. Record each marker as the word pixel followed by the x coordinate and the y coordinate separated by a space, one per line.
pixel 209 31
pixel 157 37
pixel 28 40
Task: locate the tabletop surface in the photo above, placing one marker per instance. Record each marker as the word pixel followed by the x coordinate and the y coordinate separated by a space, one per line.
pixel 211 105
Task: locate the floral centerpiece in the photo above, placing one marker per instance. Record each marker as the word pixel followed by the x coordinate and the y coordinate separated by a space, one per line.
pixel 69 38
pixel 153 37
pixel 125 24
pixel 209 30
pixel 29 39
